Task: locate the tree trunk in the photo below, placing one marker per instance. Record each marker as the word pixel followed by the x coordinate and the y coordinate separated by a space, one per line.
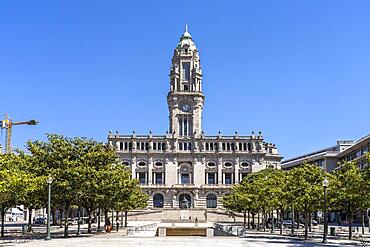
pixel 29 218
pixel 126 214
pixel 253 224
pixel 292 226
pixel 273 221
pixel 121 226
pixel 281 220
pixel 89 212
pixel 54 214
pixel 368 219
pixel 310 222
pixel 245 219
pixel 248 220
pixel 117 221
pixel 298 219
pixel 98 214
pixel 66 214
pixel 106 218
pixel 350 226
pixel 2 221
pixel 363 222
pixel 264 221
pixel 305 224
pixel 349 212
pixel 258 221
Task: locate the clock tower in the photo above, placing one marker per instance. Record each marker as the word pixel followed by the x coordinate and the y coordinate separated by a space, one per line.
pixel 185 99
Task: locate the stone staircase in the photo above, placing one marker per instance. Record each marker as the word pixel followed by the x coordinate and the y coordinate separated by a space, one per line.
pixel 147 230
pixel 229 230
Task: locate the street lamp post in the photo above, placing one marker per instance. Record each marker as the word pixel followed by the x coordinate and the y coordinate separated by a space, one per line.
pixel 325 184
pixel 50 180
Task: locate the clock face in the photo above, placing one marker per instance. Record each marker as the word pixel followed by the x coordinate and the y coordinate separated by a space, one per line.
pixel 185 107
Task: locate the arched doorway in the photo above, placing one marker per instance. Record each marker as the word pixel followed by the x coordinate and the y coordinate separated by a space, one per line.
pixel 211 201
pixel 185 201
pixel 158 201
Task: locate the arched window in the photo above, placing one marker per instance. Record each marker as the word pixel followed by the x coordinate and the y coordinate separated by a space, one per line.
pixel 185 174
pixel 185 201
pixel 158 201
pixel 211 201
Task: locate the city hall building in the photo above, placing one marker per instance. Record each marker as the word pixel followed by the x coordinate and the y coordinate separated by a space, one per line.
pixel 184 168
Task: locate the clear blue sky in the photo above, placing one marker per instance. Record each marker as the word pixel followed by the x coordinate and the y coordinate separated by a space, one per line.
pixel 299 71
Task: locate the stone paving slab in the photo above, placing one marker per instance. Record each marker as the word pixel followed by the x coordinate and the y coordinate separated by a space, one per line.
pixel 115 240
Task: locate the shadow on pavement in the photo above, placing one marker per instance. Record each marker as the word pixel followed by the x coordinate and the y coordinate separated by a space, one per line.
pixel 291 242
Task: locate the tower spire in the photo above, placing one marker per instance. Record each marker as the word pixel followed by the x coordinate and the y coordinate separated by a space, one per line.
pixel 186 27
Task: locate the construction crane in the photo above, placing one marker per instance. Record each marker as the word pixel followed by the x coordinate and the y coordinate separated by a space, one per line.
pixel 8 124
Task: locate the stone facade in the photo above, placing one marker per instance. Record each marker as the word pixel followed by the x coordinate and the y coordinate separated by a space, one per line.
pixel 185 168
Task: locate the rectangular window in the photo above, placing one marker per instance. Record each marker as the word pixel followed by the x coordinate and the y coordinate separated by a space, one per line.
pixel 180 125
pixel 185 178
pixel 142 177
pixel 158 178
pixel 185 126
pixel 186 71
pixel 211 178
pixel 228 178
pixel 126 145
pixel 121 145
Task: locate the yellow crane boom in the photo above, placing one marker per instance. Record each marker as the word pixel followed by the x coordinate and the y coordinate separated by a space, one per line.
pixel 8 124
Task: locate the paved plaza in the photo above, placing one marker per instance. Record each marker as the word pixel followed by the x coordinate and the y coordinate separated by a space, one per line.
pixel 146 238
pixel 113 240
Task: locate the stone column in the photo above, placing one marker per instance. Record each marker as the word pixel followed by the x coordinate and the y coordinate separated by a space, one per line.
pixel 219 171
pixel 150 171
pixel 236 172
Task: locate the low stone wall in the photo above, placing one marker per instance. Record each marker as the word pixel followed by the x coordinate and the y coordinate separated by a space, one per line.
pixel 200 215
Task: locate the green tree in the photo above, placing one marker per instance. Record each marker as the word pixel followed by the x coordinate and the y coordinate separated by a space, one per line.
pixel 240 199
pixel 131 198
pixel 352 190
pixel 70 162
pixel 307 190
pixel 36 198
pixel 15 183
